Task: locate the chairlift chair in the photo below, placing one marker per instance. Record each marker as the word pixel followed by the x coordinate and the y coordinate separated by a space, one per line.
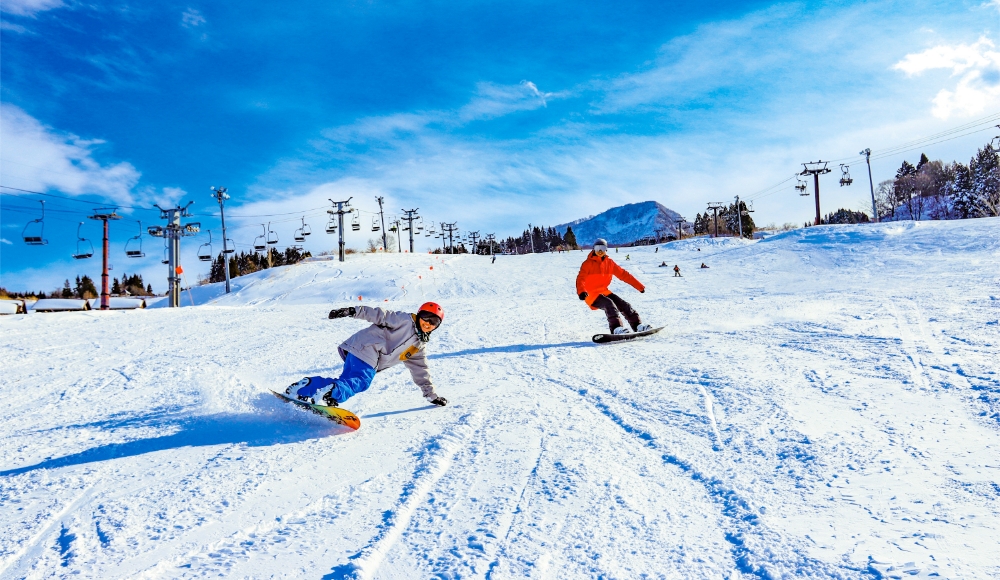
pixel 272 238
pixel 260 242
pixel 205 250
pixel 845 175
pixel 230 246
pixel 375 225
pixel 133 247
pixel 300 234
pixel 801 187
pixel 166 253
pixel 84 248
pixel 331 226
pixel 34 236
pixel 355 223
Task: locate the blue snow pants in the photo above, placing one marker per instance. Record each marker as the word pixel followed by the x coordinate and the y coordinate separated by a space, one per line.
pixel 356 377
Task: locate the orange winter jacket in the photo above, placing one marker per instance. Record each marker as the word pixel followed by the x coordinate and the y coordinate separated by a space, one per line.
pixel 595 277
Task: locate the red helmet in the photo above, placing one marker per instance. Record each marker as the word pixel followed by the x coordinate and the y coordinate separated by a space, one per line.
pixel 433 308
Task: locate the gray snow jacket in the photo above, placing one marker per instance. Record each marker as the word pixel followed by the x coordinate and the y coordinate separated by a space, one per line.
pixel 390 340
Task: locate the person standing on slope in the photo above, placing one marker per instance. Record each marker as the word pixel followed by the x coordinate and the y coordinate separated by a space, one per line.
pixel 393 338
pixel 592 287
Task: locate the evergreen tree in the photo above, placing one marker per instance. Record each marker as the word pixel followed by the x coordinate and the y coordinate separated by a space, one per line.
pixel 67 292
pixel 85 287
pixel 962 193
pixel 984 172
pixel 116 287
pixel 570 238
pixel 149 289
pixel 732 218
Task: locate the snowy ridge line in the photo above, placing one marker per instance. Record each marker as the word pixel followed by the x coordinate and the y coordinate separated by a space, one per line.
pixel 746 521
pixel 435 458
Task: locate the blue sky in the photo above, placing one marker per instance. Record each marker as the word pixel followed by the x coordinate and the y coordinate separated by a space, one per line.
pixel 492 115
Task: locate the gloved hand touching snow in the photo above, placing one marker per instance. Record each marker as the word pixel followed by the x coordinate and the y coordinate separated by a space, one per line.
pixel 440 401
pixel 583 295
pixel 343 312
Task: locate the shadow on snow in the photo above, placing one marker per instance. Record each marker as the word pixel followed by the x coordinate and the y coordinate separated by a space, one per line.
pixel 511 349
pixel 254 430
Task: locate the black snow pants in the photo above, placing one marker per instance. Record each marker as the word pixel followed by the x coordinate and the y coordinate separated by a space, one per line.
pixel 611 304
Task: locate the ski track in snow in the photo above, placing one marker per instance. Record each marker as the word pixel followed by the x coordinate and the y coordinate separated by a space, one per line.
pixel 824 404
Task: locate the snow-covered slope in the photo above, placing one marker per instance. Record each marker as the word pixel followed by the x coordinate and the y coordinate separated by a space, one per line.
pixel 626 224
pixel 824 403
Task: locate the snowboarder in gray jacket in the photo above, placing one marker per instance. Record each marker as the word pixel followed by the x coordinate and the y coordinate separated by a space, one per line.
pixel 393 338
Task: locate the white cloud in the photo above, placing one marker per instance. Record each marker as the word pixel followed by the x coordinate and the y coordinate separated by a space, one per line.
pixel 192 18
pixel 36 157
pixel 977 65
pixel 28 7
pixel 494 100
pixel 6 241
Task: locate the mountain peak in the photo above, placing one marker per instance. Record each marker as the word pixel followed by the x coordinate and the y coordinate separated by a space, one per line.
pixel 626 224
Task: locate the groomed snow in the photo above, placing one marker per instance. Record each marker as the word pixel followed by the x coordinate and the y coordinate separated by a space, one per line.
pixel 824 403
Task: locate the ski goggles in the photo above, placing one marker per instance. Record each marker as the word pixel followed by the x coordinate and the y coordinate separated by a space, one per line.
pixel 601 248
pixel 430 317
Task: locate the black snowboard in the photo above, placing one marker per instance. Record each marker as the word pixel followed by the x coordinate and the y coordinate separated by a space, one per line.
pixel 602 338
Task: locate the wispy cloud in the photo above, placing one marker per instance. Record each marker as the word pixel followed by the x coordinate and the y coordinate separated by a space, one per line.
pixel 977 65
pixel 38 157
pixel 6 241
pixel 28 7
pixel 494 100
pixel 192 18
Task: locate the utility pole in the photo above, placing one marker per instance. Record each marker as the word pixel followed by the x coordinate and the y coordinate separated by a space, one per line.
pixel 411 214
pixel 531 238
pixel 450 228
pixel 815 168
pixel 739 215
pixel 680 229
pixel 104 215
pixel 221 196
pixel 868 158
pixel 174 231
pixel 491 240
pixel 340 211
pixel 474 236
pixel 715 206
pixel 385 240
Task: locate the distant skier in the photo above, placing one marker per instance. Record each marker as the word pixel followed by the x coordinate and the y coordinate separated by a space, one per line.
pixel 592 287
pixel 628 256
pixel 393 338
pixel 663 265
pixel 677 271
pixel 703 265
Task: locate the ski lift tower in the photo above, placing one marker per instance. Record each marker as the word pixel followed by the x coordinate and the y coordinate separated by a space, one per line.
pixel 411 214
pixel 339 212
pixel 815 168
pixel 173 232
pixel 221 195
pixel 105 215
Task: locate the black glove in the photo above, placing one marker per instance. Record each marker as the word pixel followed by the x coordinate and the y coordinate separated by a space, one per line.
pixel 643 291
pixel 583 295
pixel 343 312
pixel 440 402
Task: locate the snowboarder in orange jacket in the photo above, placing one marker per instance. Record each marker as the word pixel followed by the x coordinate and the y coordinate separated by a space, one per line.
pixel 592 287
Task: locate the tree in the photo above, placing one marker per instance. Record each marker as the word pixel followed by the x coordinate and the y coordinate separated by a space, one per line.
pixel 962 193
pixel 85 287
pixel 570 238
pixel 149 289
pixel 846 216
pixel 732 218
pixel 116 288
pixel 984 171
pixel 67 291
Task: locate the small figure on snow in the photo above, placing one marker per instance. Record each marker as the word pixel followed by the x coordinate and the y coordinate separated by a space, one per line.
pixel 703 265
pixel 393 338
pixel 628 256
pixel 663 265
pixel 592 287
pixel 677 271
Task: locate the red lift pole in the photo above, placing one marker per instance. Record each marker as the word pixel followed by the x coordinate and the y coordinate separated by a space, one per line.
pixel 104 215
